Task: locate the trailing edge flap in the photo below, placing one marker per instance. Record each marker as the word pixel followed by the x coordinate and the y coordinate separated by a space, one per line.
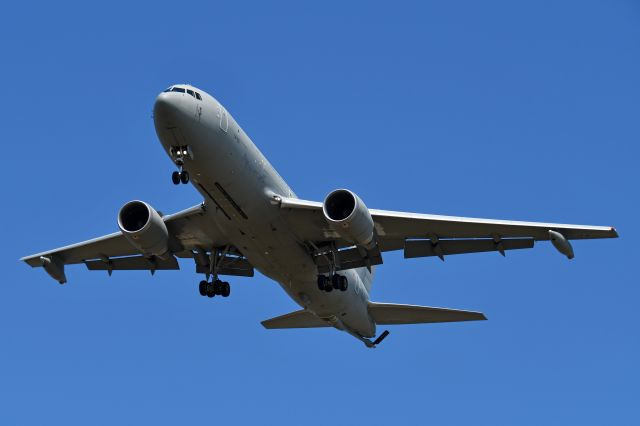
pixel 425 248
pixel 132 263
pixel 297 319
pixel 389 313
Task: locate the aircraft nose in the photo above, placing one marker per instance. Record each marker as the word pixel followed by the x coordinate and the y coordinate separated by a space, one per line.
pixel 167 108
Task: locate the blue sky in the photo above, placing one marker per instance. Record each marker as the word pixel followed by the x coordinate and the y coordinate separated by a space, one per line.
pixel 491 109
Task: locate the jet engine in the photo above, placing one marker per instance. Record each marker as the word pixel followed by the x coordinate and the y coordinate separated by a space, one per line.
pixel 143 227
pixel 348 216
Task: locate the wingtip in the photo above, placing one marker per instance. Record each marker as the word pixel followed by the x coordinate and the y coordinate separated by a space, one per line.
pixel 30 260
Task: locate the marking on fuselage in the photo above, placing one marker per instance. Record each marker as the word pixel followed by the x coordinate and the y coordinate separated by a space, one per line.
pixel 231 200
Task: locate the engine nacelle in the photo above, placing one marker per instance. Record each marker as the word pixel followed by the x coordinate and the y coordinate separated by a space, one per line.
pixel 348 216
pixel 143 227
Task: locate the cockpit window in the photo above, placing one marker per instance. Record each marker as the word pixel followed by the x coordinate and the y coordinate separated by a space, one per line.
pixel 183 90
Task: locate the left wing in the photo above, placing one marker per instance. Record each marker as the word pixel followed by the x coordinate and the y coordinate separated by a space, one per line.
pixel 190 230
pixel 434 235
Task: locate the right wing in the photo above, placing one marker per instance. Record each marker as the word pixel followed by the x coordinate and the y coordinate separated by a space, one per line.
pixel 421 235
pixel 190 230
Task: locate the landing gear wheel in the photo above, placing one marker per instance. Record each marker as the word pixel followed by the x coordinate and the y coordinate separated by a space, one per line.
pixel 226 289
pixel 175 178
pixel 210 290
pixel 184 176
pixel 335 281
pixel 202 288
pixel 322 282
pixel 344 283
pixel 328 287
pixel 217 287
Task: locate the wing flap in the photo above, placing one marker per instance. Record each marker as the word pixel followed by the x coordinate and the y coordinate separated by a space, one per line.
pixel 297 319
pixel 133 263
pixel 425 248
pixel 348 259
pixel 233 266
pixel 106 246
pixel 389 313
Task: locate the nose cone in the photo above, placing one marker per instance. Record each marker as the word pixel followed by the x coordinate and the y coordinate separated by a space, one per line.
pixel 168 109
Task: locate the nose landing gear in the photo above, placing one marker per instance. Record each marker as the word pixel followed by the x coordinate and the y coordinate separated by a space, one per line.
pixel 180 177
pixel 179 153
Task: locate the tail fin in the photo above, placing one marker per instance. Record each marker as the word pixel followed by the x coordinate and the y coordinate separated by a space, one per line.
pixel 297 319
pixel 389 313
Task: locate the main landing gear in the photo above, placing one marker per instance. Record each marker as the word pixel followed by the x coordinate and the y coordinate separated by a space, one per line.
pixel 337 282
pixel 215 288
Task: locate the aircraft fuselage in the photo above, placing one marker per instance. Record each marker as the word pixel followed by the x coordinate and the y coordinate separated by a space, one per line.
pixel 238 184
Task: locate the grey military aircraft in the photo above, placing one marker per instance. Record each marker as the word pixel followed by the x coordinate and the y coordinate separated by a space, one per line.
pixel 323 254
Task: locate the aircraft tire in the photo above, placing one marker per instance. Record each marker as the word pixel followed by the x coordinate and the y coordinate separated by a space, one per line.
pixel 322 281
pixel 175 177
pixel 210 290
pixel 217 287
pixel 184 176
pixel 344 283
pixel 335 281
pixel 226 289
pixel 202 288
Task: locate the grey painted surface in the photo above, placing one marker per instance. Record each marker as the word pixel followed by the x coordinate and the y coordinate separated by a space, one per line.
pixel 251 210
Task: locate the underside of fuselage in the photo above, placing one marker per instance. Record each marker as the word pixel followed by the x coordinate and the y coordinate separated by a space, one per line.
pixel 238 184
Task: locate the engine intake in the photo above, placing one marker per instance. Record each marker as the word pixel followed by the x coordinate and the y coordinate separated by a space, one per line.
pixel 143 227
pixel 348 216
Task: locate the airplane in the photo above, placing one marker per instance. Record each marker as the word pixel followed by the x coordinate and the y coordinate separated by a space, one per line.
pixel 323 254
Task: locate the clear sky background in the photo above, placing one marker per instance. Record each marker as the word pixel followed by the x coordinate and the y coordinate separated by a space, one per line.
pixel 524 111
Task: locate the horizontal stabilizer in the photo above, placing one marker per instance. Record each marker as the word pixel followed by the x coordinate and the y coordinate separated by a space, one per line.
pixel 297 319
pixel 389 313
